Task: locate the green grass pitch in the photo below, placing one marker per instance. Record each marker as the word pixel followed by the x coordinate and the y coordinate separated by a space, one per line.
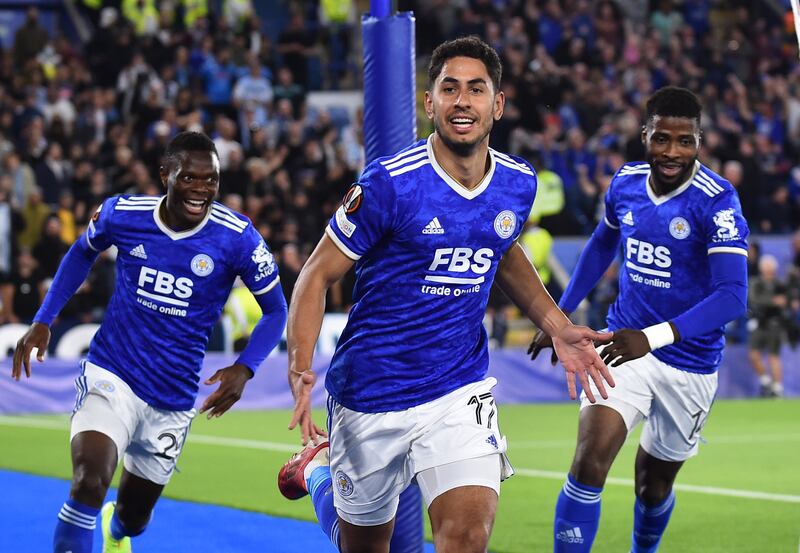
pixel 753 446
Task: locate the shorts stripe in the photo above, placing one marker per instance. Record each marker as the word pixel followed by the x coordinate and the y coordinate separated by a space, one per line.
pixel 81 388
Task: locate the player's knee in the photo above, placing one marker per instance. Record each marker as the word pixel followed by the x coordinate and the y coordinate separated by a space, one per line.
pixel 89 485
pixel 590 470
pixel 458 537
pixel 653 493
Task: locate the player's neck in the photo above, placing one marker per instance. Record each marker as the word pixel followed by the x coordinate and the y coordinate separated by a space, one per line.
pixel 171 221
pixel 468 171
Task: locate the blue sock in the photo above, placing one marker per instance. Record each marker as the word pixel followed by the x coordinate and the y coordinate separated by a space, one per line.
pixel 75 528
pixel 577 517
pixel 119 531
pixel 649 524
pixel 408 527
pixel 319 485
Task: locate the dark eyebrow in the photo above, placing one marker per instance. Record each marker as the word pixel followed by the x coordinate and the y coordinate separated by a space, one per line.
pixel 471 81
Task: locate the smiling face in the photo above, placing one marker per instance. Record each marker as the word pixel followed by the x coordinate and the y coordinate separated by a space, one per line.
pixel 672 145
pixel 463 104
pixel 192 181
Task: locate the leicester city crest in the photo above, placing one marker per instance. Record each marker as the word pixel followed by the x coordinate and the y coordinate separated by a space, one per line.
pixel 505 223
pixel 343 484
pixel 202 265
pixel 679 228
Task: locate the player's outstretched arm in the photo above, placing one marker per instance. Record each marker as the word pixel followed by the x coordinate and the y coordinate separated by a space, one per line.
pixel 326 265
pixel 72 271
pixel 38 336
pixel 595 258
pixel 263 339
pixel 573 344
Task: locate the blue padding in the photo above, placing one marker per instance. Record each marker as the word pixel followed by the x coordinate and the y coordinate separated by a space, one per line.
pixel 390 118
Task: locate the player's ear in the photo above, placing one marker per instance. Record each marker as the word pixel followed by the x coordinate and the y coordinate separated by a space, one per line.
pixel 644 134
pixel 429 104
pixel 163 174
pixel 499 105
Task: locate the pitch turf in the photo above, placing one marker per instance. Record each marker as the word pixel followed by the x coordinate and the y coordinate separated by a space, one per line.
pixel 753 446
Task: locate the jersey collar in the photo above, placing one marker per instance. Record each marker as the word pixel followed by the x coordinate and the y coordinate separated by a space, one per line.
pixel 452 183
pixel 658 200
pixel 177 235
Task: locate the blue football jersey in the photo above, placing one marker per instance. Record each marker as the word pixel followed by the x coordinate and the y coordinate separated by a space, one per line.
pixel 426 252
pixel 666 242
pixel 170 290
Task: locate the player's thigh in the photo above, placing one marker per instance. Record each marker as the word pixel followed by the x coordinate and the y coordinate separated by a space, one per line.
pixel 681 406
pixel 157 444
pixel 462 519
pixel 632 396
pixel 461 425
pixel 369 462
pixel 476 480
pixel 104 403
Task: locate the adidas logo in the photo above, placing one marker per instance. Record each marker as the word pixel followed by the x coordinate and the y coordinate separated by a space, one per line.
pixel 138 251
pixel 434 227
pixel 491 440
pixel 570 536
pixel 628 218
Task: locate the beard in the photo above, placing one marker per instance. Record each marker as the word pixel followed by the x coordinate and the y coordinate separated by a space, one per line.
pixel 462 149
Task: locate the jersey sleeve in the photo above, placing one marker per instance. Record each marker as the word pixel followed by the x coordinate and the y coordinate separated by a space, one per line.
pixel 99 233
pixel 257 267
pixel 725 228
pixel 610 216
pixel 366 214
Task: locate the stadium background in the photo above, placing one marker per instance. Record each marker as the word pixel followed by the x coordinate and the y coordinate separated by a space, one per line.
pixel 89 96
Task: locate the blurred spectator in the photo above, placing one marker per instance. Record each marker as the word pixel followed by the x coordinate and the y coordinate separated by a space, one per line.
pixel 29 39
pixel 243 312
pixel 24 292
pixel 34 213
pixel 50 248
pixel 53 174
pixel 768 304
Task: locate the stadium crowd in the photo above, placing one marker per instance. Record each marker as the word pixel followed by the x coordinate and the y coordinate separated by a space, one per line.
pixel 80 122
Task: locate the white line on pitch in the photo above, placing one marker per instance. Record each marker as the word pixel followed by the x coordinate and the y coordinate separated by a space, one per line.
pixel 62 424
pixel 708 490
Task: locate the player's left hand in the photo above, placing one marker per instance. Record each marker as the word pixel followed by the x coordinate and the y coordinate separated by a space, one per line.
pixel 231 385
pixel 626 345
pixel 574 346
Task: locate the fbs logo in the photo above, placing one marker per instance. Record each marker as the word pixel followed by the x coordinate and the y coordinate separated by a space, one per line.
pixel 163 286
pixel 461 260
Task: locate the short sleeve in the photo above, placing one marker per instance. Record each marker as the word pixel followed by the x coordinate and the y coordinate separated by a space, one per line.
pixel 725 228
pixel 99 235
pixel 366 214
pixel 257 267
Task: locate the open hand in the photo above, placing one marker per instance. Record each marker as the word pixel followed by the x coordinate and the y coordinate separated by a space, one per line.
pixel 574 346
pixel 231 385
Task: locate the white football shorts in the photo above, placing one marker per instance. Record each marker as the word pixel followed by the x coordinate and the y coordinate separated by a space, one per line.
pixel 450 442
pixel 151 439
pixel 673 403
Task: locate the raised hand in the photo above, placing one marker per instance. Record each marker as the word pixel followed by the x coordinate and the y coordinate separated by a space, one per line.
pixel 574 346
